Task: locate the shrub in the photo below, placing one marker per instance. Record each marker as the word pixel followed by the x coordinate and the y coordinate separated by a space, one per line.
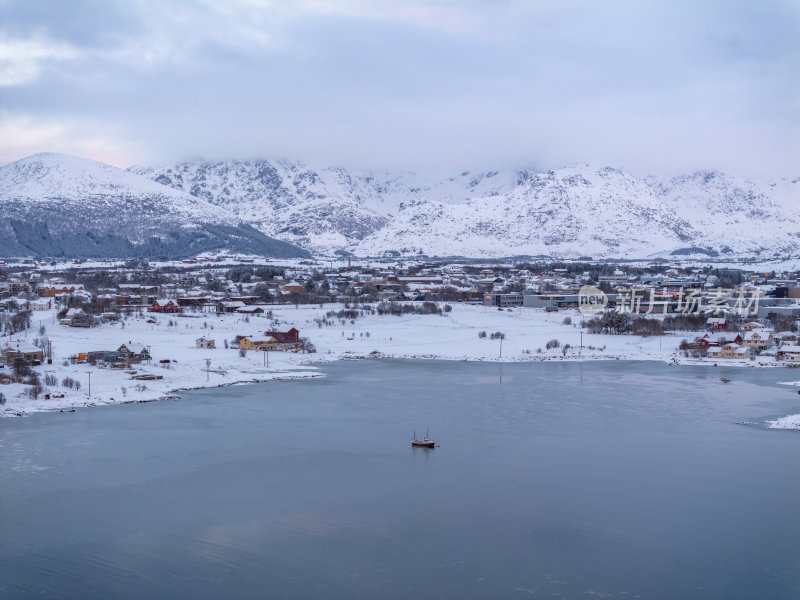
pixel 610 322
pixel 645 326
pixel 34 391
pixel 690 322
pixel 397 309
pixel 552 344
pixel 567 320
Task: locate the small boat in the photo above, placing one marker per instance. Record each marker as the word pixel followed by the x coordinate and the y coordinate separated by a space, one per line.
pixel 426 442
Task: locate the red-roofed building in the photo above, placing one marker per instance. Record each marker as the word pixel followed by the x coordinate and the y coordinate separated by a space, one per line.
pixel 285 337
pixel 165 306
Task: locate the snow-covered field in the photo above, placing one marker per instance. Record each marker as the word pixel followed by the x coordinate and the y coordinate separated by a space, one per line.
pixel 453 336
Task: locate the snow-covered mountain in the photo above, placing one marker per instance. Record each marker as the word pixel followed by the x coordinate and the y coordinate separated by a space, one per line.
pixel 323 210
pixel 58 204
pixel 575 211
pixel 731 212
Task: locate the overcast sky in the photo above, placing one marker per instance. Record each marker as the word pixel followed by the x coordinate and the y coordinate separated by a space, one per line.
pixel 654 87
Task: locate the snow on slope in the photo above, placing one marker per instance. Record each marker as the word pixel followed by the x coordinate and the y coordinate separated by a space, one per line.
pixel 733 212
pixel 84 193
pixel 599 212
pixel 576 211
pixel 570 212
pixel 59 205
pixel 324 210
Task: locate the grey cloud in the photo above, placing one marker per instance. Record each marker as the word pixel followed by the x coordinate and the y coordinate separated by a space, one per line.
pixel 647 86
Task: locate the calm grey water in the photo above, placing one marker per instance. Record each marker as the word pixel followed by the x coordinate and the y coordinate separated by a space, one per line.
pixel 567 480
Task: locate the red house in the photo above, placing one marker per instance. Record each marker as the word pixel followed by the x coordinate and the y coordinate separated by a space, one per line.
pixel 716 323
pixel 718 339
pixel 285 337
pixel 165 306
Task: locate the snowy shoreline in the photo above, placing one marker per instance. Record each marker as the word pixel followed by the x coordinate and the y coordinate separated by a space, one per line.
pixel 459 335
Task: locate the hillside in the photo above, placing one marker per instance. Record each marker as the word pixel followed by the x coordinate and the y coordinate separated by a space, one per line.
pixel 59 205
pixel 576 211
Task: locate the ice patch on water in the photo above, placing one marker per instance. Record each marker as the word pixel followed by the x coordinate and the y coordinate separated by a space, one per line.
pixel 789 422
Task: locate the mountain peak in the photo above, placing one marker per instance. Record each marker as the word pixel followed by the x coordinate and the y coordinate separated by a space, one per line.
pixel 54 203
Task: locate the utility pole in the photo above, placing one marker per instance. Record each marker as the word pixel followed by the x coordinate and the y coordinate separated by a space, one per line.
pixel 208 366
pixel 89 373
pixel 501 345
pixel 581 352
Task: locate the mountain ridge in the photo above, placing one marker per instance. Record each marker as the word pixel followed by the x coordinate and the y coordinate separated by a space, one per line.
pixel 580 210
pixel 573 211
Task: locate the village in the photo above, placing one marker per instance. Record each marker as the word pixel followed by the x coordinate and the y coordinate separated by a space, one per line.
pixel 83 333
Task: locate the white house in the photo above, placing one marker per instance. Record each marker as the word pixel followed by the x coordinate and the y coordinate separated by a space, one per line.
pixel 758 338
pixel 42 304
pixel 731 350
pixel 790 353
pixel 785 336
pixel 205 343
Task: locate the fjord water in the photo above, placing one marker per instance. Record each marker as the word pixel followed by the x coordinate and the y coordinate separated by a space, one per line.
pixel 568 480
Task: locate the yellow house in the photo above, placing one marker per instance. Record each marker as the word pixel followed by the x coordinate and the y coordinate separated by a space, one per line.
pixel 292 286
pixel 256 342
pixel 29 355
pixel 731 350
